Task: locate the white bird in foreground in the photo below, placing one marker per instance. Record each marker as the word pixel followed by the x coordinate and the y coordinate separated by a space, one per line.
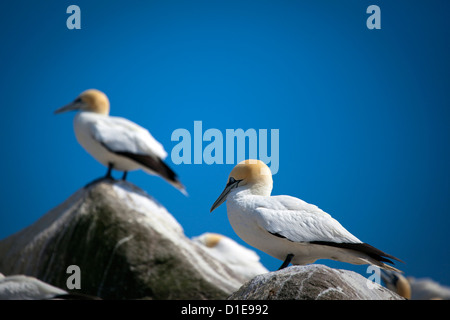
pixel 238 258
pixel 117 142
pixel 288 228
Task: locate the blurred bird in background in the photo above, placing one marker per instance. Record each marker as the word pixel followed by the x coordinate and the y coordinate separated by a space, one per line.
pixel 116 142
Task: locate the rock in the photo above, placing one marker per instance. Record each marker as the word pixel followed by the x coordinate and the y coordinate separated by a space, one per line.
pixel 312 282
pixel 126 245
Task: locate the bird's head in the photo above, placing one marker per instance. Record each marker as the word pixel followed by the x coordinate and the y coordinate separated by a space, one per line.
pixel 210 239
pixel 91 100
pixel 250 174
pixel 396 282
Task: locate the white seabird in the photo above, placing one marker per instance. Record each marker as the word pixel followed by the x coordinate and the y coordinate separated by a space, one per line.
pixel 237 257
pixel 116 142
pixel 288 228
pixel 415 289
pixel 397 283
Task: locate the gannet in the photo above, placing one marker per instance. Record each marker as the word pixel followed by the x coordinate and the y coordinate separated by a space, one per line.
pixel 288 228
pixel 397 282
pixel 116 142
pixel 237 257
pixel 415 289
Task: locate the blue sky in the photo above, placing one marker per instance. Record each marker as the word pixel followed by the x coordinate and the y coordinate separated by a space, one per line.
pixel 363 115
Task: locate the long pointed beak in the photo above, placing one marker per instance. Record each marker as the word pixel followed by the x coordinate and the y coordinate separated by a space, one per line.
pixel 75 105
pixel 223 196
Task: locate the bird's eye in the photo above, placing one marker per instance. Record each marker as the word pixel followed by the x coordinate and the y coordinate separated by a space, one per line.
pixel 231 181
pixel 77 100
pixel 234 182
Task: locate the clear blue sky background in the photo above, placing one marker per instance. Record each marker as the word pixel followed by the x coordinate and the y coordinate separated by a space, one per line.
pixel 363 115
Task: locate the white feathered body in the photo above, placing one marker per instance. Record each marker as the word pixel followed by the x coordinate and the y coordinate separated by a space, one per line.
pixel 102 135
pixel 282 225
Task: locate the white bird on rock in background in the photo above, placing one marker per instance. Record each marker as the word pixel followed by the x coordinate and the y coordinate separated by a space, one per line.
pixel 288 228
pixel 117 142
pixel 415 289
pixel 397 282
pixel 238 258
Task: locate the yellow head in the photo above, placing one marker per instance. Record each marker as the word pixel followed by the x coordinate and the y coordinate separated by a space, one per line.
pixel 212 239
pixel 396 282
pixel 91 100
pixel 403 287
pixel 253 175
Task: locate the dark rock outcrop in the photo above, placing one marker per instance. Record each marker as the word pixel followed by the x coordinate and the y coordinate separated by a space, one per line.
pixel 126 245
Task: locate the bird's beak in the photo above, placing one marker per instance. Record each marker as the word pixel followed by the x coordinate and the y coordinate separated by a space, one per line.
pixel 75 105
pixel 223 196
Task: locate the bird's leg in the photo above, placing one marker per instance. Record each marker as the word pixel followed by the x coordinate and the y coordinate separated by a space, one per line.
pixel 286 261
pixel 124 177
pixel 108 174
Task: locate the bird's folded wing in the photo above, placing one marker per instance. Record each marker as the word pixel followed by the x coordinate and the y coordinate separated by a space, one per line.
pixel 121 135
pixel 298 221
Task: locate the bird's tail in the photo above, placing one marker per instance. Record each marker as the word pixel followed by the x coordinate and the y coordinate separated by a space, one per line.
pixel 156 166
pixel 383 265
pixel 177 184
pixel 365 254
pixel 378 258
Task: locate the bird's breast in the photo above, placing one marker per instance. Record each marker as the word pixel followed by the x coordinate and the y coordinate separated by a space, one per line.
pixel 84 125
pixel 242 216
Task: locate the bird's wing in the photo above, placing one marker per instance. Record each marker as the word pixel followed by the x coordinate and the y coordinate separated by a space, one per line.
pixel 298 221
pixel 123 136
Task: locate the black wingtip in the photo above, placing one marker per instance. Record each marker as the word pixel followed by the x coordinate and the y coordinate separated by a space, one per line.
pixel 156 165
pixel 366 248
